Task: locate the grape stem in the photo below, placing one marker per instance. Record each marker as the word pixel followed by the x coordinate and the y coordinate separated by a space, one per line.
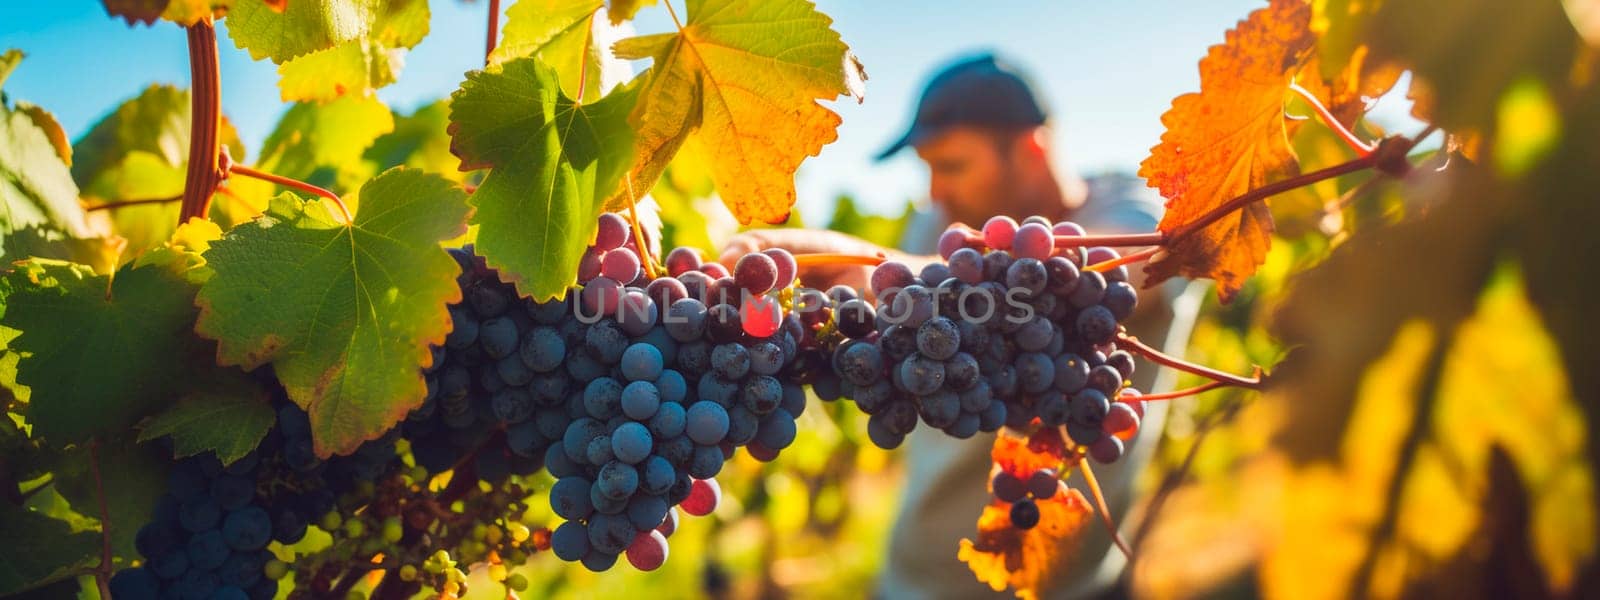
pixel 127 203
pixel 1133 344
pixel 1103 266
pixel 1175 394
pixel 1348 137
pixel 205 120
pixel 102 573
pixel 633 221
pixel 1100 502
pixel 1153 238
pixel 494 30
pixel 293 183
pixel 823 258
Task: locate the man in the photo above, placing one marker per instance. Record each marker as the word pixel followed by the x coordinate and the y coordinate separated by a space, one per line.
pixel 986 141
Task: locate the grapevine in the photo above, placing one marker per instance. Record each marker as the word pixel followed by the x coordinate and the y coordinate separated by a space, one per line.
pixel 416 355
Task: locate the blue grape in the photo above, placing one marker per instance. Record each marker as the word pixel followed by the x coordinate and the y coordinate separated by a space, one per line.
pixel 511 405
pixel 199 513
pixel 1071 373
pixel 921 375
pixel 610 534
pixel 464 329
pixel 598 562
pixel 248 528
pixel 243 569
pixel 543 349
pixel 1096 325
pixel 859 363
pixel 716 389
pixel 686 320
pixel 569 498
pixel 1089 407
pixel 603 398
pixel 730 361
pixel 706 422
pixel 940 409
pixel 606 341
pixel 705 462
pixel 672 386
pixel 640 400
pixel 233 492
pixel 558 463
pixel 136 584
pixel 881 436
pixel 668 421
pixel 766 358
pixel 1091 288
pixel 647 511
pixel 570 541
pixel 965 427
pixel 617 480
pixel 1035 335
pixel 600 451
pixel 761 394
pixel 1035 372
pixel 742 424
pixel 794 399
pixel 576 439
pixel 207 550
pixel 498 337
pixel 642 362
pixel 658 475
pixel 631 443
pixel 938 338
pixel 777 430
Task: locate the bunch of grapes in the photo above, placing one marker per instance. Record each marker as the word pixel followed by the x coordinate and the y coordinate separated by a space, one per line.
pixel 1011 328
pixel 209 534
pixel 669 376
pixel 1041 485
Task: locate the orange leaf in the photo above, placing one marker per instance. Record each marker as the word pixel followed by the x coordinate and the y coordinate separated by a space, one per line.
pixel 1026 560
pixel 1227 139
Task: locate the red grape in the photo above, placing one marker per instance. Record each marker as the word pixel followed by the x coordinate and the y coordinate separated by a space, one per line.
pixel 999 231
pixel 620 264
pixel 787 268
pixel 648 551
pixel 756 273
pixel 1033 241
pixel 682 260
pixel 613 232
pixel 953 239
pixel 761 316
pixel 715 270
pixel 704 494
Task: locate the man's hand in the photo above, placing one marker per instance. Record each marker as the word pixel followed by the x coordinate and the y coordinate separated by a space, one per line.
pixel 813 241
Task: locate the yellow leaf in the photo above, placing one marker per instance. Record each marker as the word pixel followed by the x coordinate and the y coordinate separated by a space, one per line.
pixel 745 78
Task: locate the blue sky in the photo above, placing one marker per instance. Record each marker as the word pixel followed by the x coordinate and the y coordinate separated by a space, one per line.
pixel 1108 69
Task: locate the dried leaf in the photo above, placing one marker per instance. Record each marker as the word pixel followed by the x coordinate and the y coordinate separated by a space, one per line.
pixel 1227 139
pixel 1026 560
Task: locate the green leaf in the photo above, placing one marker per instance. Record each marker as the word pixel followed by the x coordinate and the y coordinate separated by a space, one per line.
pixel 745 78
pixel 35 185
pixel 51 127
pixel 140 151
pixel 419 140
pixel 557 31
pixel 40 550
pixel 133 476
pixel 229 416
pixel 554 164
pixel 318 143
pixel 103 351
pixel 344 314
pixel 330 48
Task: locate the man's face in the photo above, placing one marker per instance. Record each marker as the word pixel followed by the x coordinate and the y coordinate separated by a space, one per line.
pixel 969 172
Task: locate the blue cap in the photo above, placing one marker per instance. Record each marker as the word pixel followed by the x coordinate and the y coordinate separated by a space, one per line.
pixel 980 91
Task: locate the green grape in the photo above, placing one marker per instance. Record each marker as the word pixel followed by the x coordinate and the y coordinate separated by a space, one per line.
pixel 331 521
pixel 275 569
pixel 408 573
pixel 497 572
pixel 354 528
pixel 517 582
pixel 479 531
pixel 519 532
pixel 457 576
pixel 493 535
pixel 516 556
pixel 393 530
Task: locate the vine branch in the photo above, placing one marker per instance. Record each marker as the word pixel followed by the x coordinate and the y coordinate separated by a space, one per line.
pixel 1129 258
pixel 1175 394
pixel 1133 344
pixel 1100 502
pixel 1345 134
pixel 296 184
pixel 127 203
pixel 823 258
pixel 494 30
pixel 102 573
pixel 205 120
